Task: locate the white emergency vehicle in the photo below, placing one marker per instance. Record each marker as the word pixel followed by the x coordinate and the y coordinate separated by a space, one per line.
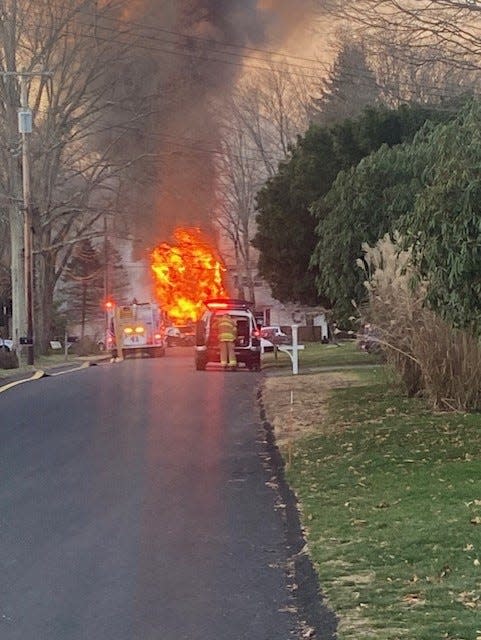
pixel 136 328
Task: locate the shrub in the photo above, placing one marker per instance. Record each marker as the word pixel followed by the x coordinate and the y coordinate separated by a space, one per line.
pixel 84 347
pixel 8 359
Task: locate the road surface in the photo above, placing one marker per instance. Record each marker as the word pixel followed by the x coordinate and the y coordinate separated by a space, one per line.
pixel 134 506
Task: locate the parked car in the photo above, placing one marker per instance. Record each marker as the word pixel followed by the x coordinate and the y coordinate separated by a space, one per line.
pixel 180 336
pixel 369 339
pixel 187 335
pixel 6 344
pixel 271 336
pixel 172 336
pixel 247 344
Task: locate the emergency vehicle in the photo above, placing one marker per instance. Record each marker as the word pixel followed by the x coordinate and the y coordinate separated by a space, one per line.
pixel 247 345
pixel 136 328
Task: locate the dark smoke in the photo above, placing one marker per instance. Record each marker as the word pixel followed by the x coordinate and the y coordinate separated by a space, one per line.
pixel 179 91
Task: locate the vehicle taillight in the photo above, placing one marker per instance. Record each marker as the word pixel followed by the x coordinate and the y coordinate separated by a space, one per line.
pixel 158 336
pixel 256 333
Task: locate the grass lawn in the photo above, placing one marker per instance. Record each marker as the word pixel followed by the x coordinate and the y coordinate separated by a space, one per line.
pixel 391 501
pixel 316 354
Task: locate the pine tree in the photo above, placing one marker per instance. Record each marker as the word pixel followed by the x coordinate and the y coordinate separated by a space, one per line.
pixel 350 87
pixel 84 290
pixel 116 279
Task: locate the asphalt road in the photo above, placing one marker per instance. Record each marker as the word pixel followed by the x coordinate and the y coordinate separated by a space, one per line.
pixel 134 506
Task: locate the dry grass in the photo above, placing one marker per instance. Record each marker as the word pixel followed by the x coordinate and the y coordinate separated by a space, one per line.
pixel 309 402
pixel 450 362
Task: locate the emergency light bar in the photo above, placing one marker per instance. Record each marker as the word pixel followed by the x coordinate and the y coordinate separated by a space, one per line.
pixel 216 304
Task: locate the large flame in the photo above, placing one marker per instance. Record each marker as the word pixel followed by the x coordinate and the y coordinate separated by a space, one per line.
pixel 186 273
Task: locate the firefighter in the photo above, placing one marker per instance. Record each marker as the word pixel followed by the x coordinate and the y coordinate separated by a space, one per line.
pixel 227 332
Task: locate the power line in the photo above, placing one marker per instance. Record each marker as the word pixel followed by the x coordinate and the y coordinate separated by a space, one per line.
pixel 191 144
pixel 196 55
pixel 156 28
pixel 319 64
pixel 171 139
pixel 184 142
pixel 284 71
pixel 440 93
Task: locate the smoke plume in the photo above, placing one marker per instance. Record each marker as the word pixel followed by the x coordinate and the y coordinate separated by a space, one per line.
pixel 188 57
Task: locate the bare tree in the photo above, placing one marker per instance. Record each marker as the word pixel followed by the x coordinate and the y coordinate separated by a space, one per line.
pixel 262 118
pixel 424 50
pixel 239 178
pixel 272 107
pixel 74 179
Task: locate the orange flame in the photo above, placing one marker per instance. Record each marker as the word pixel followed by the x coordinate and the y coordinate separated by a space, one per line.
pixel 185 274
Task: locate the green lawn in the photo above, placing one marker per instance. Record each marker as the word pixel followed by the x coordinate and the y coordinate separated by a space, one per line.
pixel 316 354
pixel 391 499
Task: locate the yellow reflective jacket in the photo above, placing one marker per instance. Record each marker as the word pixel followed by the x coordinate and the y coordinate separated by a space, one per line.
pixel 227 329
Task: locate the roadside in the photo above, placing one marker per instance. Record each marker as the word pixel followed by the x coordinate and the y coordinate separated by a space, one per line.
pixel 389 499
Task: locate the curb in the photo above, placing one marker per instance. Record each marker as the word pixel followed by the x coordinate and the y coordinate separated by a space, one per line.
pixel 319 620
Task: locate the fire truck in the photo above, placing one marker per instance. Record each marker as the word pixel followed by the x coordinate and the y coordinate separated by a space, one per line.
pixel 136 328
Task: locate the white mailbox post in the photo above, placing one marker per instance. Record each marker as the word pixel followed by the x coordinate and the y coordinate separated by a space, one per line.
pixel 293 349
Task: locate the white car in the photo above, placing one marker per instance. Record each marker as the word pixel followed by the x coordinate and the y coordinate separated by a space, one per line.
pixel 172 336
pixel 272 335
pixel 6 344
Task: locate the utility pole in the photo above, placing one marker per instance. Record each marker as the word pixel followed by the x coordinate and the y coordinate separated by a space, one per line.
pixel 107 299
pixel 25 128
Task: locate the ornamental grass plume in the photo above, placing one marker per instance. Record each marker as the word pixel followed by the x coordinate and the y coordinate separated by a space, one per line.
pixel 430 356
pixel 394 308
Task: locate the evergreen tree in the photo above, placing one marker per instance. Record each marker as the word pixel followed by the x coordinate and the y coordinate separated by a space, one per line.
pixel 84 290
pixel 350 87
pixel 115 277
pixel 290 204
pixel 371 199
pixel 364 204
pixel 444 225
pixel 285 226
